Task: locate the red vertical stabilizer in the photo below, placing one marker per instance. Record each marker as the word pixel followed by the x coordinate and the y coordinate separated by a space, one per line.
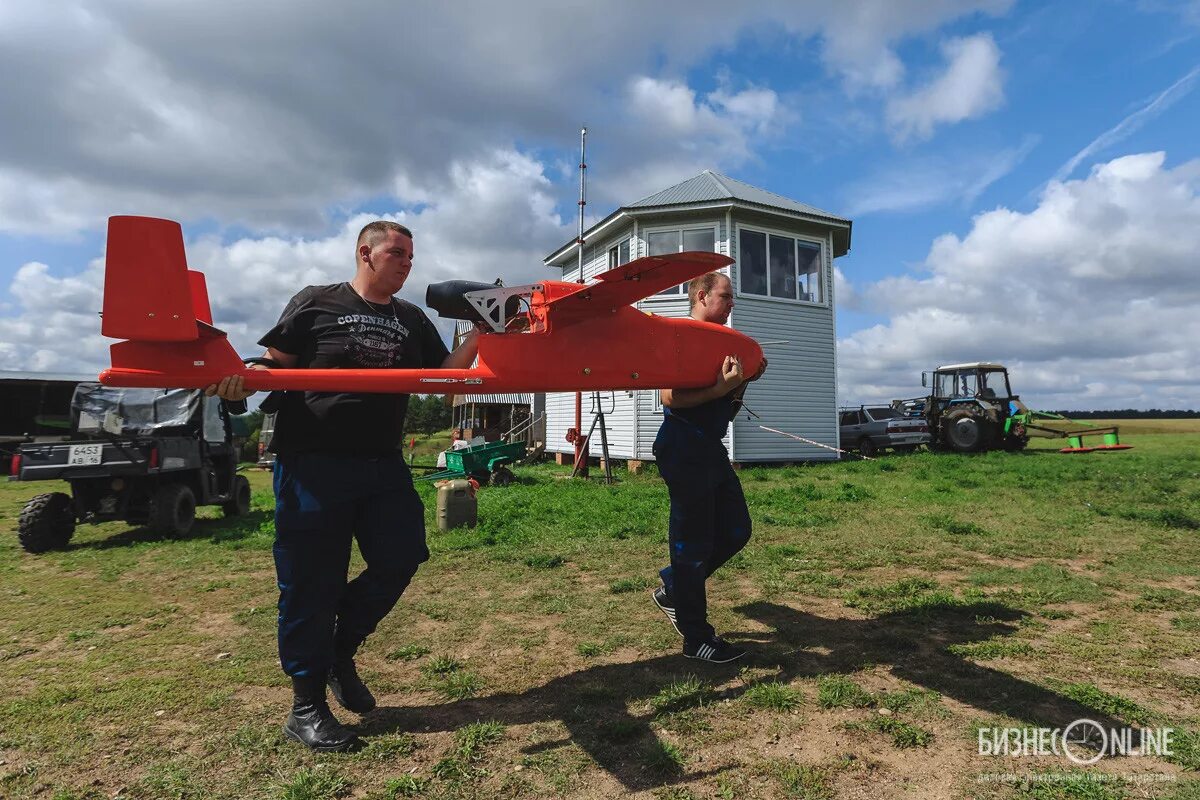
pixel 147 292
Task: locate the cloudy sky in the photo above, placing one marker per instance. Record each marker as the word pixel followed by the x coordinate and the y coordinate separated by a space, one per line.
pixel 1023 176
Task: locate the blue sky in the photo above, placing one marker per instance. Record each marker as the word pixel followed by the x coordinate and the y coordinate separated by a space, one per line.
pixel 1022 176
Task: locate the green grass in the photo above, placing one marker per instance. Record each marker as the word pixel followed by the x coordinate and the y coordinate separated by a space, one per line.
pixel 684 693
pixel 1107 703
pixel 773 695
pixel 903 734
pixel 838 691
pixel 802 781
pixel 314 784
pixel 1002 586
pixel 1000 647
pixel 408 652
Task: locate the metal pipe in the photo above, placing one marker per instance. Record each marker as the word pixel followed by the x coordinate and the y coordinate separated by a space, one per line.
pixel 581 453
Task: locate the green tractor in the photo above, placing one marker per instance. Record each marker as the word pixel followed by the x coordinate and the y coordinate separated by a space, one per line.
pixel 970 408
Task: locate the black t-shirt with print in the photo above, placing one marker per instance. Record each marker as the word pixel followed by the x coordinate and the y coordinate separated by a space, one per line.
pixel 331 327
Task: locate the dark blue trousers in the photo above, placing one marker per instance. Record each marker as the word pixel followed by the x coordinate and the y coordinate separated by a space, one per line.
pixel 322 502
pixel 709 520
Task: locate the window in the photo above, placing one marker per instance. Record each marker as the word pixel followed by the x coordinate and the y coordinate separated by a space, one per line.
pixel 956 384
pixel 680 241
pixel 618 255
pixel 884 413
pixel 785 267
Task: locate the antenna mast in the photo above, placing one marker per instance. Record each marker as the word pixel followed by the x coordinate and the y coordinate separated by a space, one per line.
pixel 581 453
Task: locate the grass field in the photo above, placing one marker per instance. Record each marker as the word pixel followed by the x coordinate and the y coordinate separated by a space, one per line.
pixel 893 609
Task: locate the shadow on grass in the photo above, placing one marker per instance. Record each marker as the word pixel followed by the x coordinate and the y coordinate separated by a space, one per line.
pixel 219 530
pixel 595 704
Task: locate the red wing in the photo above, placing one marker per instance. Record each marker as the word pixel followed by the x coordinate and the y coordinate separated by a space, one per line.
pixel 637 279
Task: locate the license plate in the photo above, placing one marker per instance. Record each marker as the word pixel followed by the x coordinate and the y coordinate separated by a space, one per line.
pixel 84 455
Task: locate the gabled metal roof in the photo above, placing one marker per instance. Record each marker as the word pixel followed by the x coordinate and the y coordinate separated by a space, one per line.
pixel 713 188
pixel 710 186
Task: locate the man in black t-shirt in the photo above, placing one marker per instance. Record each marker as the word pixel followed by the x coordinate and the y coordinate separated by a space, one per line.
pixel 340 475
pixel 709 521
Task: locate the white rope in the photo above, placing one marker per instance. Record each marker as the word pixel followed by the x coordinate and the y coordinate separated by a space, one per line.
pixel 818 444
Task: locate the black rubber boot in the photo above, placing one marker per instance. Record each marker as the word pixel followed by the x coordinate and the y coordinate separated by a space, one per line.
pixel 312 723
pixel 348 689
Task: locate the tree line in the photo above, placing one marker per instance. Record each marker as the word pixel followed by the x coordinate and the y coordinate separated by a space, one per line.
pixel 428 414
pixel 1131 413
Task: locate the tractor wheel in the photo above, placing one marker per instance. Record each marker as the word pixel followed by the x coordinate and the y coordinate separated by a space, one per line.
pixel 502 476
pixel 46 523
pixel 238 505
pixel 966 429
pixel 173 510
pixel 867 448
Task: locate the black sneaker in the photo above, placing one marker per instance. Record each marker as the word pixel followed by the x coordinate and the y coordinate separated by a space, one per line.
pixel 716 650
pixel 664 603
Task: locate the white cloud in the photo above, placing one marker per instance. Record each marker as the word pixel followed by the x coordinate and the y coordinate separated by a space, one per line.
pixel 691 133
pixel 504 196
pixel 236 112
pixel 971 86
pixel 1096 287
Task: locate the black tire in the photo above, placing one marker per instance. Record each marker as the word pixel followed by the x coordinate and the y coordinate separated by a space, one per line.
pixel 966 429
pixel 502 476
pixel 867 448
pixel 238 505
pixel 173 510
pixel 47 522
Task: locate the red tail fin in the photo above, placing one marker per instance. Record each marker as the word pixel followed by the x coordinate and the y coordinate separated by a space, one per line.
pixel 160 307
pixel 200 306
pixel 147 291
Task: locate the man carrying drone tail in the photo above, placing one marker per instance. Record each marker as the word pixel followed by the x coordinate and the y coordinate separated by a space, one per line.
pixel 709 521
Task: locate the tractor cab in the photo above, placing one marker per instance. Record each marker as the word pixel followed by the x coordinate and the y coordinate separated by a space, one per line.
pixel 980 381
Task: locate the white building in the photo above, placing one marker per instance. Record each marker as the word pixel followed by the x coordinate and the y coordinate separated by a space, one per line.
pixel 783 285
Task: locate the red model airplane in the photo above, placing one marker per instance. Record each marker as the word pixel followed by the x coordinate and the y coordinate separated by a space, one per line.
pixel 547 337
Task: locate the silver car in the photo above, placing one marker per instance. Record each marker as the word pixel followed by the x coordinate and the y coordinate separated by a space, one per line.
pixel 869 429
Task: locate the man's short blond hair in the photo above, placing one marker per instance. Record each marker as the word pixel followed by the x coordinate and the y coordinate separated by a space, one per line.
pixel 704 283
pixel 372 232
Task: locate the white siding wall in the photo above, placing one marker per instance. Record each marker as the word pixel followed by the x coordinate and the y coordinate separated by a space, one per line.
pixel 798 394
